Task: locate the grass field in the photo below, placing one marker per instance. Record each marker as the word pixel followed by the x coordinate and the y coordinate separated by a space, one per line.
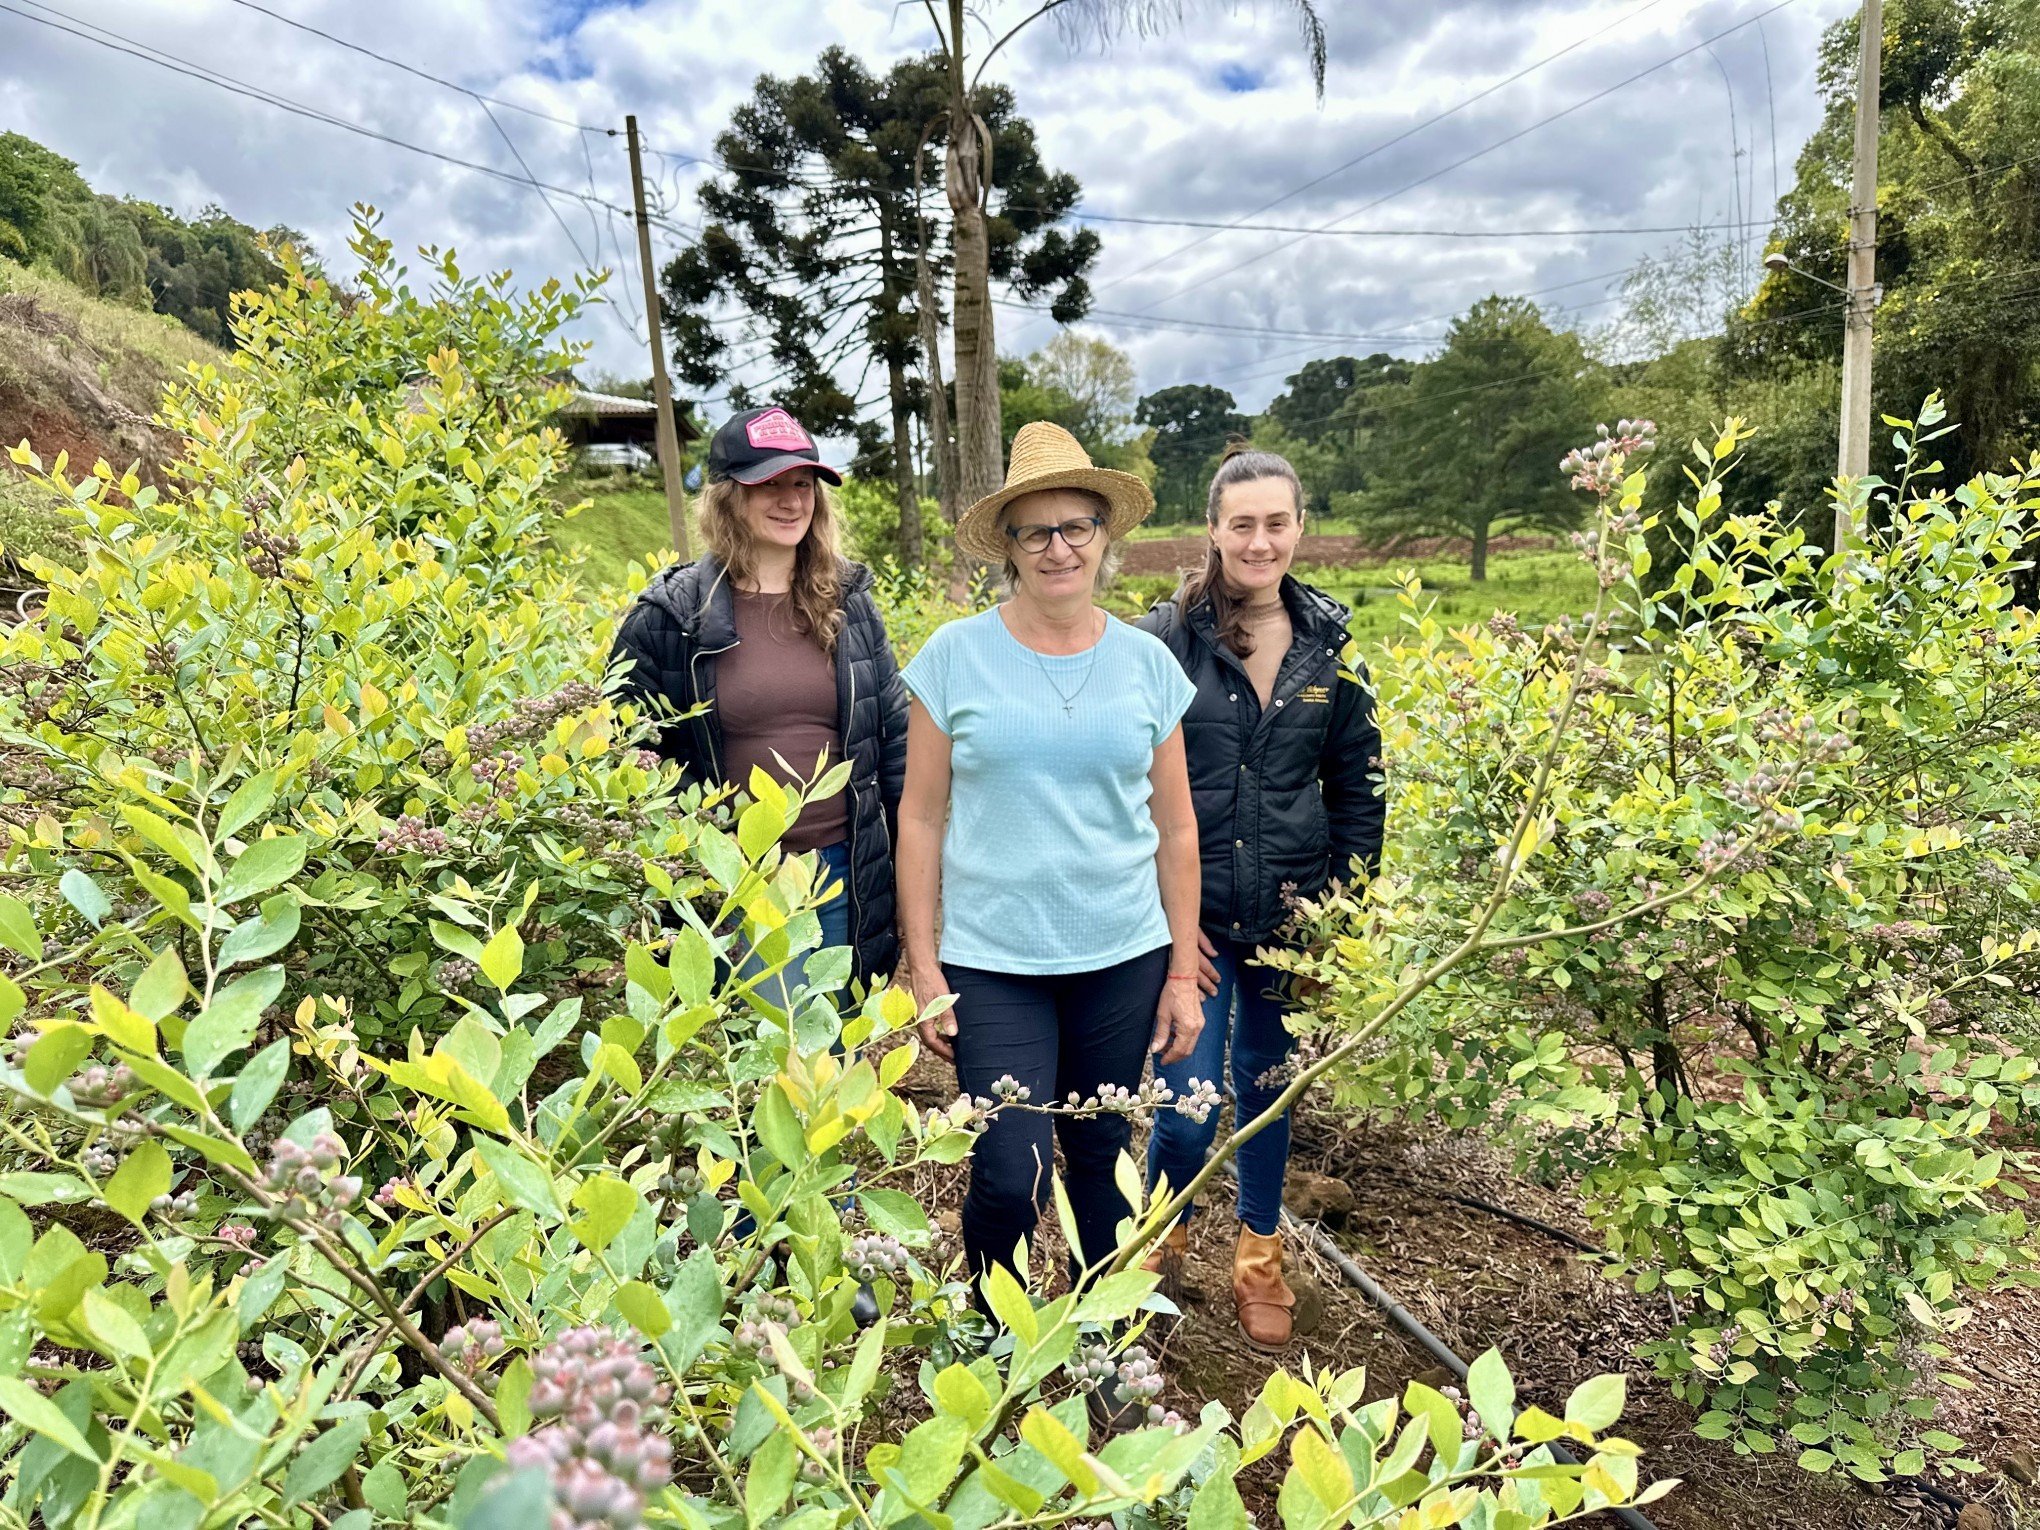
pixel 626 524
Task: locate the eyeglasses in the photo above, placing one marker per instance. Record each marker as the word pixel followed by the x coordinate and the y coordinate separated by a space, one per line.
pixel 1075 533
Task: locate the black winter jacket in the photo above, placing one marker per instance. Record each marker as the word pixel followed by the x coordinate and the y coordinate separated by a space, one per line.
pixel 668 643
pixel 1289 797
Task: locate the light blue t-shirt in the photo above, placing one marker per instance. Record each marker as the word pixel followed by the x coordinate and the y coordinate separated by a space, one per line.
pixel 1048 864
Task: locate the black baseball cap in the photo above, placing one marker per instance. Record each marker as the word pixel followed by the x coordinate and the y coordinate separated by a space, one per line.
pixel 760 444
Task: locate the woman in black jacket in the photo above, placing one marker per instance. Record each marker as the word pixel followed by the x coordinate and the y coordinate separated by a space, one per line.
pixel 779 637
pixel 1284 759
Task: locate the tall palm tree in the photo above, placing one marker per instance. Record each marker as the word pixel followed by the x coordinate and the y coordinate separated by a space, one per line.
pixel 967 177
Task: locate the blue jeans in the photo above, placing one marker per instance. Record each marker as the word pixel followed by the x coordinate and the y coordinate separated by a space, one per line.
pixel 1245 1012
pixel 834 866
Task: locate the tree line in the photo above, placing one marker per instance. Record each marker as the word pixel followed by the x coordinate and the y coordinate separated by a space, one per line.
pixel 826 234
pixel 127 250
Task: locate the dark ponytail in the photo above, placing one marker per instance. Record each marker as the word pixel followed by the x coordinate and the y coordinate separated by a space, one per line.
pixel 1239 463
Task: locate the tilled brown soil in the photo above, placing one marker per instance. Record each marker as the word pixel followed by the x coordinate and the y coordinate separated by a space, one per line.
pixel 1477 1280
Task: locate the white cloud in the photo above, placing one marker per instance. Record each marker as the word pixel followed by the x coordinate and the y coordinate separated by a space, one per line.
pixel 1154 127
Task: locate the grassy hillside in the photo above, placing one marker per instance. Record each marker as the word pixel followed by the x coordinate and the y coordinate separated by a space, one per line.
pixel 621 526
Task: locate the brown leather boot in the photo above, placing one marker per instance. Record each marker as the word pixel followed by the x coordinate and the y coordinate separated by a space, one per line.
pixel 1259 1291
pixel 1166 1260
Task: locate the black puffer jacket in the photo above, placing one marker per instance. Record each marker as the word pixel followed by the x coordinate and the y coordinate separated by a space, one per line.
pixel 668 643
pixel 1286 798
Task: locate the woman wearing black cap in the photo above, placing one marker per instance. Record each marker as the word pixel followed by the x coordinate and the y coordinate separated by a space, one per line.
pixel 778 636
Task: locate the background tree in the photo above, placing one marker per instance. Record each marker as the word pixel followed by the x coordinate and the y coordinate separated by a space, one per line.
pixel 1316 424
pixel 1959 227
pixel 1086 385
pixel 1190 422
pixel 1466 447
pixel 813 233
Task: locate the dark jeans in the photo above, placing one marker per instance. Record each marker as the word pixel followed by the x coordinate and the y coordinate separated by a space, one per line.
pixel 1246 1012
pixel 1070 1032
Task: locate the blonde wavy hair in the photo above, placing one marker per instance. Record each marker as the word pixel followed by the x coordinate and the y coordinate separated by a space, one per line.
pixel 817 590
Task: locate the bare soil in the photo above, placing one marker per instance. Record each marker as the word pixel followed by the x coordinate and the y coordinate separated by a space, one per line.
pixel 1475 1280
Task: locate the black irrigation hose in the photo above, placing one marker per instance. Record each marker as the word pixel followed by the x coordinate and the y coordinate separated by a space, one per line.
pixel 1435 1346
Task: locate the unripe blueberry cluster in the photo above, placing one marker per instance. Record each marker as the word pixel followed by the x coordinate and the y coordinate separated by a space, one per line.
pixel 99 1087
pixel 456 973
pixel 99 1161
pixel 386 1192
pixel 1597 467
pixel 872 1255
pixel 1802 735
pixel 238 1234
pixel 498 772
pixel 823 1438
pixel 681 1182
pixel 411 832
pixel 174 1208
pixel 473 1343
pixel 1199 1100
pixel 307 1181
pixel 598 1408
pixel 1009 1090
pixel 1719 851
pixel 1300 1059
pixel 265 551
pixel 1137 1374
pixel 532 715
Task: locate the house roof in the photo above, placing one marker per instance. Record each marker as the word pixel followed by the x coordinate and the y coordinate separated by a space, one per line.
pixel 606 405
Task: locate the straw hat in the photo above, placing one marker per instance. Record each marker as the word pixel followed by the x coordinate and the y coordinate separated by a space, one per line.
pixel 1046 456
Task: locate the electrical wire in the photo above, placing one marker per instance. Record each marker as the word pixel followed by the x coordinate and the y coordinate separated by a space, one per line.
pixel 1467 159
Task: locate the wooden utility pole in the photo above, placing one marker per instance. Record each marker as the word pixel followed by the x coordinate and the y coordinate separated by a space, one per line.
pixel 662 387
pixel 1862 295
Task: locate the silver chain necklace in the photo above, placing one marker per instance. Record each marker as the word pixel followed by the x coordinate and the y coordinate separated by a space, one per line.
pixel 1069 698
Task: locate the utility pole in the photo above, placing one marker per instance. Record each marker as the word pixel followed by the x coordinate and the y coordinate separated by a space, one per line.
pixel 662 387
pixel 1862 294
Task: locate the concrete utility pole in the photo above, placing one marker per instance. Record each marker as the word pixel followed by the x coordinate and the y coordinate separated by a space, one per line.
pixel 1862 294
pixel 662 387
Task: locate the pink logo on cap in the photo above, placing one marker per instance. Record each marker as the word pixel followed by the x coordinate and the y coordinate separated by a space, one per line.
pixel 776 430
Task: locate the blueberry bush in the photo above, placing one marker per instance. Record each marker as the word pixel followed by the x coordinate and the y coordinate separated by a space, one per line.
pixel 1764 976
pixel 386 1136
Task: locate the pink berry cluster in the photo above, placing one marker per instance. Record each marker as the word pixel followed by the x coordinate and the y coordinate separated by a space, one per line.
pixel 1597 467
pixel 307 1181
pixel 872 1255
pixel 532 715
pixel 264 552
pixel 1802 735
pixel 237 1235
pixel 386 1192
pixel 598 1408
pixel 473 1344
pixel 99 1087
pixel 411 832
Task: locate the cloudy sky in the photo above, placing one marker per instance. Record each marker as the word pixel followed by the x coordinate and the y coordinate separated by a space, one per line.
pixel 1210 119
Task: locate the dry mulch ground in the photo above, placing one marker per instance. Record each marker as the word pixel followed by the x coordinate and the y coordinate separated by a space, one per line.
pixel 1477 1280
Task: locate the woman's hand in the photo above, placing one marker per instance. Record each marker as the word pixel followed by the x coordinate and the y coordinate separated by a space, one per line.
pixel 1179 1019
pixel 1207 974
pixel 928 985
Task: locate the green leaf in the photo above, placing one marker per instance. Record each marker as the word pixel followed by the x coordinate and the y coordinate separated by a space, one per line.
pixel 248 802
pixel 263 865
pixel 520 1500
pixel 319 1465
pixel 83 894
pixel 777 1127
pixel 261 1076
pixel 524 1183
pixel 1441 1419
pixel 1492 1392
pixel 263 934
pixel 456 940
pixel 161 990
pixel 896 1214
pixel 961 1394
pixel 142 1176
pixel 770 1478
pixel 606 1204
pixel 12 1000
pixel 228 1024
pixel 55 1055
pixel 695 1299
pixel 37 1414
pixel 1218 1505
pixel 693 967
pixel 643 1308
pixel 1323 1470
pixel 17 929
pixel 502 959
pixel 1011 1305
pixel 1815 1460
pixel 1596 1403
pixel 929 1456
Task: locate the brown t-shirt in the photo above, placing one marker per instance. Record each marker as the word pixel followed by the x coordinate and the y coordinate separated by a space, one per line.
pixel 776 691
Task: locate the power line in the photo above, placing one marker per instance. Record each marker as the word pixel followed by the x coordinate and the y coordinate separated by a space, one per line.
pixel 1418 233
pixel 1467 159
pixel 297 108
pixel 1105 316
pixel 412 69
pixel 1390 143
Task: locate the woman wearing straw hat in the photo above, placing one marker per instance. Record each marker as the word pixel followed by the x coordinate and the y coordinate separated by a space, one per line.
pixel 1048 807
